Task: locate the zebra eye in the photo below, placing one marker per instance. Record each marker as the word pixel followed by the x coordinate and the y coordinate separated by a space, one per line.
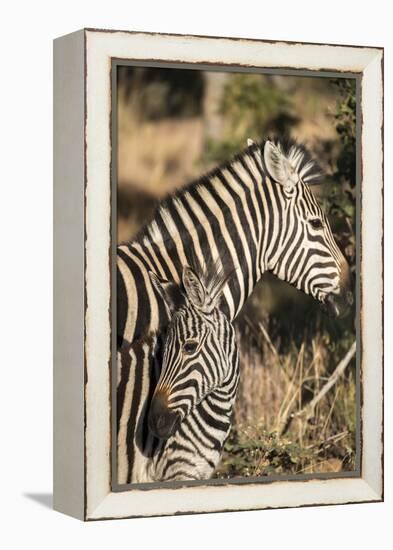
pixel 316 223
pixel 190 346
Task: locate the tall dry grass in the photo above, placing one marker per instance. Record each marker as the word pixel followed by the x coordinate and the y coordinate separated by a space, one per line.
pixel 273 432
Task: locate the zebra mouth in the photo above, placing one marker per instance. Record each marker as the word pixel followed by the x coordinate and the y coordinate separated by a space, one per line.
pixel 338 305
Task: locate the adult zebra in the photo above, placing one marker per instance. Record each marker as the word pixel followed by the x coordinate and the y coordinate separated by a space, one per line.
pixel 255 213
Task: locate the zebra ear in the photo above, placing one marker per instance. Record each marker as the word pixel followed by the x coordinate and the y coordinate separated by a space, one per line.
pixel 194 288
pixel 278 166
pixel 169 291
pixel 250 142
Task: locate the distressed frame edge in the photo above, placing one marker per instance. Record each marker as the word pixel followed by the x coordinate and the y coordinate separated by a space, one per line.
pixel 372 143
pixel 375 490
pixel 69 489
pixel 361 493
pixel 234 38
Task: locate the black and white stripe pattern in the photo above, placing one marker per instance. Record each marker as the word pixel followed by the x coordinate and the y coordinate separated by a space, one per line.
pixel 182 424
pixel 192 404
pixel 254 214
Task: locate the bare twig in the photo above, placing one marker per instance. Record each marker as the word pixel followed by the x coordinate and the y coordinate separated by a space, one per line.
pixel 323 431
pixel 332 438
pixel 338 371
pixel 289 399
pixel 308 410
pixel 267 338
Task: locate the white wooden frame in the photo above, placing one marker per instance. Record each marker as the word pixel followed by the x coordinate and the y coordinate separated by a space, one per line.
pixel 82 245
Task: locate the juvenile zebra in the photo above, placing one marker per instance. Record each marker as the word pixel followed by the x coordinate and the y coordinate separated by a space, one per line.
pixel 190 412
pixel 255 213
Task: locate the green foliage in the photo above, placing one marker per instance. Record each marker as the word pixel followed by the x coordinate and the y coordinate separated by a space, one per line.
pixel 252 451
pixel 252 106
pixel 341 199
pixel 346 128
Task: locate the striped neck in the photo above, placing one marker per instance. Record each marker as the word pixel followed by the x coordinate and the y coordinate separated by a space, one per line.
pixel 221 215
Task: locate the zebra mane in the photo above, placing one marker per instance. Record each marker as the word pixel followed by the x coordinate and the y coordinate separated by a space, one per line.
pixel 212 273
pixel 300 158
pixel 298 155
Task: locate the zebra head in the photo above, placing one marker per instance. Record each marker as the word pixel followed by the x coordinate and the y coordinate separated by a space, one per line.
pixel 302 249
pixel 200 351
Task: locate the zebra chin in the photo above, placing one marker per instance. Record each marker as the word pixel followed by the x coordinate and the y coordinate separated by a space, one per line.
pixel 162 421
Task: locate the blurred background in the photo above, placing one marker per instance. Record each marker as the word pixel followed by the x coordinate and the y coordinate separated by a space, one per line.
pixel 176 124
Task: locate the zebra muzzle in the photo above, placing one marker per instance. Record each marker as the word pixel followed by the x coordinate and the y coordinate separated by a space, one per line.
pixel 163 422
pixel 337 305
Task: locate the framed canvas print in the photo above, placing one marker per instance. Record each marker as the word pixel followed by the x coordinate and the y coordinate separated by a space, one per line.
pixel 218 274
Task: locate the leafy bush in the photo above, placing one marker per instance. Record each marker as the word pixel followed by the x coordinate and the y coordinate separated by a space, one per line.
pixel 251 106
pixel 252 451
pixel 341 199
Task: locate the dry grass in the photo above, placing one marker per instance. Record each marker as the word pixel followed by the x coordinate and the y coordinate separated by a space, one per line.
pixel 267 435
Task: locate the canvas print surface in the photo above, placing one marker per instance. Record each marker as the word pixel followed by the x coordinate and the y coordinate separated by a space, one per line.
pixel 236 276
